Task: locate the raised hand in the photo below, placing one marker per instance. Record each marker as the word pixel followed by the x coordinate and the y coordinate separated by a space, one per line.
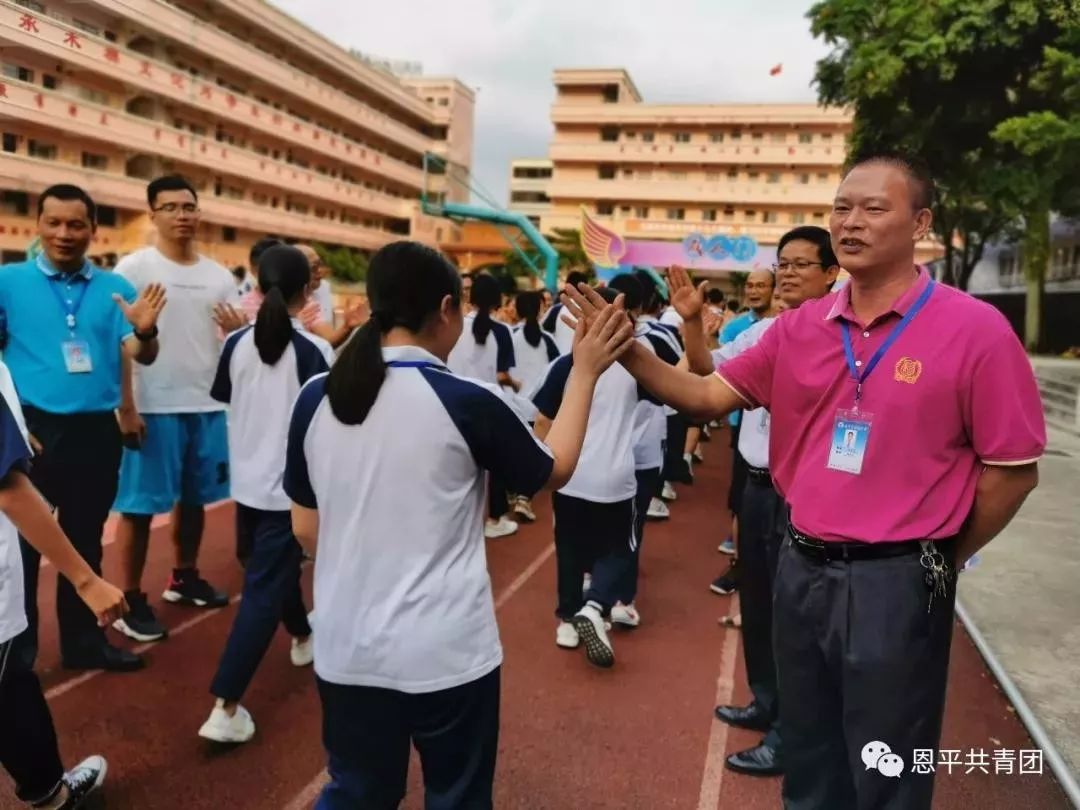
pixel 357 315
pixel 229 318
pixel 688 300
pixel 581 303
pixel 609 334
pixel 143 313
pixel 105 600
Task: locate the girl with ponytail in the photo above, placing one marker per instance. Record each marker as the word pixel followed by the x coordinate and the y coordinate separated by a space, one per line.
pixel 261 371
pixel 386 466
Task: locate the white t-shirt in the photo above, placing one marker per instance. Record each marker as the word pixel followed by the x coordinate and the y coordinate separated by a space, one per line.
pixel 555 326
pixel 754 435
pixel 261 399
pixel 671 318
pixel 531 362
pixel 605 469
pixel 650 419
pixel 14 455
pixel 179 380
pixel 402 593
pixel 324 296
pixel 482 361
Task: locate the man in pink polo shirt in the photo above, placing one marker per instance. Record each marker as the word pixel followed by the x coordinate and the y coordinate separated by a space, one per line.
pixel 905 429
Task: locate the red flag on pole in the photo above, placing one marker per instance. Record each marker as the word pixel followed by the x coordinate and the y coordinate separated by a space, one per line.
pixel 775 71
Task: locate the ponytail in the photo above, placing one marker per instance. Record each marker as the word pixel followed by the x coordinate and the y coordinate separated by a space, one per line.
pixel 486 296
pixel 273 327
pixel 481 325
pixel 357 375
pixel 527 305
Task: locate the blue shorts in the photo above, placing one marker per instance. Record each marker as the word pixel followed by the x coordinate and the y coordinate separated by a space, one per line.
pixel 183 459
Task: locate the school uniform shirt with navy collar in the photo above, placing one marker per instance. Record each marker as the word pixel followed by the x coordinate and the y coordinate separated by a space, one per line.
pixel 402 593
pixel 605 469
pixel 531 362
pixel 14 455
pixel 482 361
pixel 260 399
pixel 650 419
pixel 559 329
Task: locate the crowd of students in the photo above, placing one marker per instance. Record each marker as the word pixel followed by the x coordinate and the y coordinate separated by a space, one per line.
pixel 601 399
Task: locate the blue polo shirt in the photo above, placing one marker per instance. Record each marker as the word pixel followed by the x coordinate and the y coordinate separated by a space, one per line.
pixel 728 334
pixel 33 296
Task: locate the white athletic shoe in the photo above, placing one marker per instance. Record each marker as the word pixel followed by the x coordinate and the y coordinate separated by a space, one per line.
pixel 589 623
pixel 221 728
pixel 523 509
pixel 668 492
pixel 586 583
pixel 566 636
pixel 625 616
pixel 658 510
pixel 302 653
pixel 499 528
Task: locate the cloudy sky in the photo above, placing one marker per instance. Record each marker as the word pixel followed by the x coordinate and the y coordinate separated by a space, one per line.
pixel 675 50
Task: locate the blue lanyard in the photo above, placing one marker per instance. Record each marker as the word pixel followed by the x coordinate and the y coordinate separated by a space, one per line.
pixel 849 352
pixel 70 306
pixel 415 364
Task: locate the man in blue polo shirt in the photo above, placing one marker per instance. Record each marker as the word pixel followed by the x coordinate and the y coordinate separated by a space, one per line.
pixel 67 325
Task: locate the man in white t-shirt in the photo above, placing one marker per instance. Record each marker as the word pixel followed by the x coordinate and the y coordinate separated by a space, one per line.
pixel 180 462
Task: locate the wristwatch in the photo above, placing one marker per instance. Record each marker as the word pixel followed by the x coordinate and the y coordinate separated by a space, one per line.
pixel 144 337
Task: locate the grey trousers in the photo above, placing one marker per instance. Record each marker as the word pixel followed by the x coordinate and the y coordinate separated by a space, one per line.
pixel 860 660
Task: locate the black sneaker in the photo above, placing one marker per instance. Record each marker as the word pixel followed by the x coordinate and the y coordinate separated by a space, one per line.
pixel 140 623
pixel 83 780
pixel 728 583
pixel 186 587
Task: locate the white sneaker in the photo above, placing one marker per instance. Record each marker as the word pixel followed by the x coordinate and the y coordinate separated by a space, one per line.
pixel 698 456
pixel 590 626
pixel 523 509
pixel 302 653
pixel 566 636
pixel 499 528
pixel 625 615
pixel 221 728
pixel 668 492
pixel 658 510
pixel 586 583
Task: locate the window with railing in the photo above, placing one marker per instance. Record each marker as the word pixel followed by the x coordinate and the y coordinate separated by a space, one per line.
pixel 797 218
pixel 42 150
pixel 716 137
pixel 806 137
pixel 770 217
pixel 641 212
pixel 681 137
pixel 94 161
pixel 708 215
pixel 605 209
pixel 676 213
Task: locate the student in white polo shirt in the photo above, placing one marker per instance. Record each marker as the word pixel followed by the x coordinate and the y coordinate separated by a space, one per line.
pixel 261 370
pixel 386 467
pixel 485 352
pixel 28 747
pixel 553 322
pixel 594 511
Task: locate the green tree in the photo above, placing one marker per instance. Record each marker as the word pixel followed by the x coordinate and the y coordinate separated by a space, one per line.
pixel 567 243
pixel 344 263
pixel 936 79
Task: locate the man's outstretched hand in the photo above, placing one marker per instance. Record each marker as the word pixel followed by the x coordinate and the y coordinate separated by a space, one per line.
pixel 688 300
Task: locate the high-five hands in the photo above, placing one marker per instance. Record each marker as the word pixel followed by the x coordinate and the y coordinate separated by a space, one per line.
pixel 601 339
pixel 143 313
pixel 688 300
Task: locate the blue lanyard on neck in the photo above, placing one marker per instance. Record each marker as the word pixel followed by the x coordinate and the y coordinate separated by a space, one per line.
pixel 69 305
pixel 849 352
pixel 415 364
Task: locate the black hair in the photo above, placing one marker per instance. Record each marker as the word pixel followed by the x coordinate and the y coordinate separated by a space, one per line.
pixel 259 248
pixel 608 294
pixel 816 236
pixel 170 182
pixel 651 300
pixel 527 305
pixel 284 274
pixel 239 272
pixel 576 277
pixel 485 296
pixel 922 183
pixel 68 193
pixel 629 286
pixel 715 296
pixel 733 305
pixel 406 284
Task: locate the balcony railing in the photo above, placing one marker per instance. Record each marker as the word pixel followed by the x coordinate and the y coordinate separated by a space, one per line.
pixel 667 115
pixel 715 153
pixel 222 47
pixel 87 52
pixel 119 191
pixel 93 121
pixel 675 192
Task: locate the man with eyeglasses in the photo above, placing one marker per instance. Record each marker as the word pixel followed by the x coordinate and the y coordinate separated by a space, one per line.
pixel 176 456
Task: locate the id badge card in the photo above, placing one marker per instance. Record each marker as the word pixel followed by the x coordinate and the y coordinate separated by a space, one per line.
pixel 77 357
pixel 851 432
pixel 763 423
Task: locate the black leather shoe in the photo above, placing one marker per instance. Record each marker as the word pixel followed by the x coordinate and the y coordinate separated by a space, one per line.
pixel 107 657
pixel 760 761
pixel 751 717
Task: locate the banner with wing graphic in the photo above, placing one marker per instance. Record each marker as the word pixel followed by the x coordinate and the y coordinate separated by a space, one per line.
pixel 698 251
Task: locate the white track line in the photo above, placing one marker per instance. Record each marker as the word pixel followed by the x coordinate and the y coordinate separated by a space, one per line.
pixel 79 680
pixel 311 791
pixel 712 778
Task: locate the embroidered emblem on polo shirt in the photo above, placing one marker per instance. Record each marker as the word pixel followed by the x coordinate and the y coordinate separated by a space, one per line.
pixel 908 370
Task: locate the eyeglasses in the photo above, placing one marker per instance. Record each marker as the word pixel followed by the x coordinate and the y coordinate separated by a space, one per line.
pixel 172 208
pixel 798 264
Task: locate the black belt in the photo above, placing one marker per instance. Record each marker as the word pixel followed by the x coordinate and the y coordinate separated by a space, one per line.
pixel 845 551
pixel 759 475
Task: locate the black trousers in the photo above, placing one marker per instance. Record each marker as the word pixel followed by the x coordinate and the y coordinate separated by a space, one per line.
pixel 367 731
pixel 28 748
pixel 498 500
pixel 591 536
pixel 647 483
pixel 762 526
pixel 675 467
pixel 860 660
pixel 77 473
pixel 294 612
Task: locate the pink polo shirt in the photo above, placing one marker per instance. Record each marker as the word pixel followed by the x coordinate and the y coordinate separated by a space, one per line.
pixel 954 392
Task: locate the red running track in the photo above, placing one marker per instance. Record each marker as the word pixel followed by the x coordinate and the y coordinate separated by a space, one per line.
pixel 639 736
